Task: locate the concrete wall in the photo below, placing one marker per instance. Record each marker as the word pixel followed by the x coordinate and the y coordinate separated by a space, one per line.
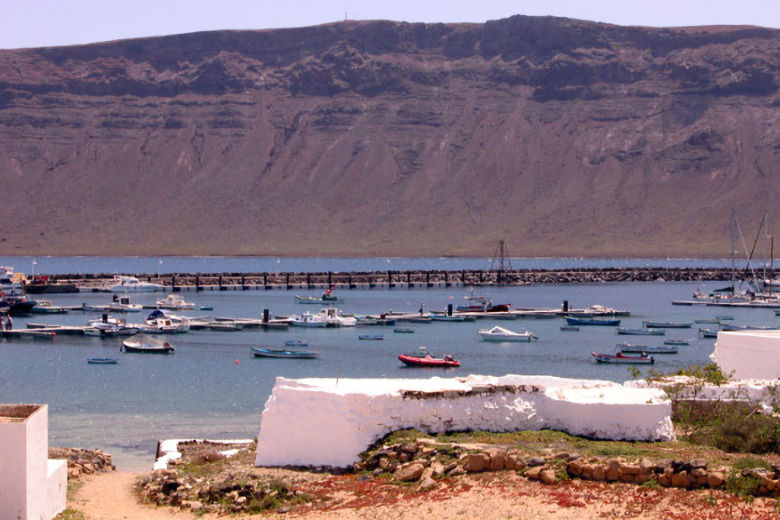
pixel 749 354
pixel 329 422
pixel 31 486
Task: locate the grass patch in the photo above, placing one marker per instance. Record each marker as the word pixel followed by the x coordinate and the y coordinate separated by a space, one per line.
pixel 70 514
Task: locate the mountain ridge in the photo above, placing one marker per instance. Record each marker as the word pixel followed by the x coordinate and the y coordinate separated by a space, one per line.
pixel 561 137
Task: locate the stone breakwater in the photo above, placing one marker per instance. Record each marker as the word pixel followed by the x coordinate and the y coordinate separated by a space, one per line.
pixel 391 279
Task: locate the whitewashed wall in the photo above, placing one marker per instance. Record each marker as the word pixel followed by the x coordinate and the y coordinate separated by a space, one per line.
pixel 329 422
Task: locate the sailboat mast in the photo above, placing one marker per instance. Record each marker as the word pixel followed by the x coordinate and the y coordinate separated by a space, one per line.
pixel 733 250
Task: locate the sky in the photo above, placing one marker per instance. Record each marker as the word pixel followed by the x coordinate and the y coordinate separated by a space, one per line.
pixel 40 23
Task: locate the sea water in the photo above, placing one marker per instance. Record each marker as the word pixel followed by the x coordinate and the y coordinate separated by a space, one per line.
pixel 213 388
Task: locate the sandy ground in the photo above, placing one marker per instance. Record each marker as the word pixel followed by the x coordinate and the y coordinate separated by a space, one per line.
pixel 110 496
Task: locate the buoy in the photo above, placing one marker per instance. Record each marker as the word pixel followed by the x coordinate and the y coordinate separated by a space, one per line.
pixel 236 362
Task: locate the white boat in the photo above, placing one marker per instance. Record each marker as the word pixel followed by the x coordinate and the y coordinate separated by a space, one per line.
pixel 335 318
pixel 501 334
pixel 174 302
pixel 109 326
pixel 122 304
pixel 164 326
pixel 132 284
pixel 145 344
pixel 308 319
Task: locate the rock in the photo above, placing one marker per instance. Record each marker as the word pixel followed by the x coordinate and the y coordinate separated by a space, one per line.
pixel 426 484
pixel 599 472
pixel 548 476
pixel 411 448
pixel 536 461
pixel 698 463
pixel 437 469
pixel 680 479
pixel 513 462
pixel 475 462
pixel 408 473
pixel 716 479
pixel 534 473
pixel 497 459
pixel 612 472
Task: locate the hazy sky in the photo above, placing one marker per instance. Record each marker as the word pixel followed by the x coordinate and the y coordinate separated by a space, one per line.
pixel 36 23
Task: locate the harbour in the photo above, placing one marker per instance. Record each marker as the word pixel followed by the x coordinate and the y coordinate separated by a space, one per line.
pixel 212 386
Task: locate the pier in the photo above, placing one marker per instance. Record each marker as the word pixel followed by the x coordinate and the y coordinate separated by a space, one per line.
pixel 387 279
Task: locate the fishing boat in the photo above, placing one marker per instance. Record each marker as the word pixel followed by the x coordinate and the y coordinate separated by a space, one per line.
pixel 501 334
pixel 592 321
pixel 482 304
pixel 676 342
pixel 142 343
pixel 102 361
pixel 295 343
pixel 12 298
pixel 326 298
pixel 620 358
pixel 263 352
pixel 628 348
pixel 665 325
pixel 641 332
pixel 174 302
pixel 308 319
pixel 426 359
pixel 371 337
pixel 123 304
pixel 109 326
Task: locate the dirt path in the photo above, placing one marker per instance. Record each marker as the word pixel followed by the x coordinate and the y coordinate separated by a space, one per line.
pixel 111 496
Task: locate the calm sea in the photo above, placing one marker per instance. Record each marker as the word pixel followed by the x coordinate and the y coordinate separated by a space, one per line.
pixel 211 387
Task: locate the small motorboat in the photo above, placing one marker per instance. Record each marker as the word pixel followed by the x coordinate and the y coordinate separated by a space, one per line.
pixel 326 298
pixel 628 348
pixel 592 321
pixel 665 325
pixel 142 343
pixel 641 332
pixel 448 317
pixel 677 342
pixel 425 359
pixel 174 302
pixel 621 358
pixel 570 327
pixel 102 361
pixel 501 334
pixel 263 352
pixel 403 331
pixel 374 337
pixel 46 307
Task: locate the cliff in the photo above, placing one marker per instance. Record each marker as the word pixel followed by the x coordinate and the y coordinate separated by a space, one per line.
pixel 559 136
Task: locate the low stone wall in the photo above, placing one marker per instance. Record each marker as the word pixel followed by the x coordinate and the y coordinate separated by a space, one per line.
pixel 416 462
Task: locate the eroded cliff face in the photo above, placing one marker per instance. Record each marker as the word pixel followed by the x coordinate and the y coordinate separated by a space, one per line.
pixel 558 136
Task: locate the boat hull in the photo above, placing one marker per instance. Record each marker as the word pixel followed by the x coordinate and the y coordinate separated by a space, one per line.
pixel 428 361
pixel 282 353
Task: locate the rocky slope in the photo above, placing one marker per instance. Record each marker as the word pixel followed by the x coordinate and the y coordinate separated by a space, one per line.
pixel 560 137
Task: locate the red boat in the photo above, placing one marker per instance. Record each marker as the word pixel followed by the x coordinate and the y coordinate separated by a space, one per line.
pixel 428 360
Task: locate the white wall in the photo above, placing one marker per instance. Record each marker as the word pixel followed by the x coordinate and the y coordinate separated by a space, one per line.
pixel 329 422
pixel 748 354
pixel 31 486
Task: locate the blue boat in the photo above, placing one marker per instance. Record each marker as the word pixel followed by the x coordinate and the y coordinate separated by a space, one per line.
pixel 263 352
pixel 295 343
pixel 641 332
pixel 592 321
pixel 665 325
pixel 628 348
pixel 102 361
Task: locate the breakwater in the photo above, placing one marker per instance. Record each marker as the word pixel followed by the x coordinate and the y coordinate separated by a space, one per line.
pixel 393 279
